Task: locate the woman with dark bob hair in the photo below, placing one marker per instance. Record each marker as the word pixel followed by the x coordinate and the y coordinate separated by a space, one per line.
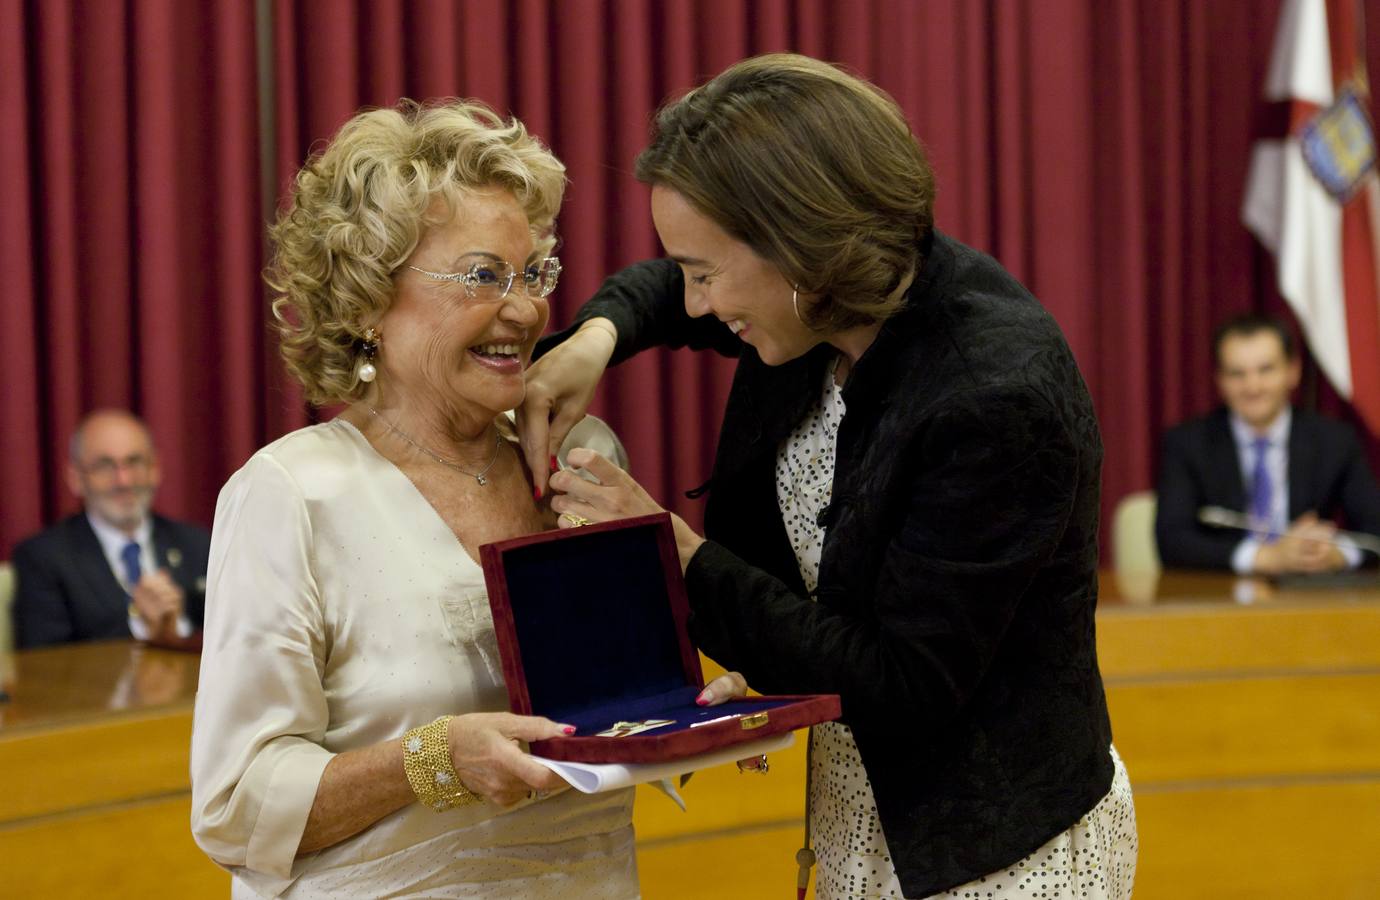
pixel 904 504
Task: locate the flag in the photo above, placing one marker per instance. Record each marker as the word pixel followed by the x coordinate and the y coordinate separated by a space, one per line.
pixel 1313 194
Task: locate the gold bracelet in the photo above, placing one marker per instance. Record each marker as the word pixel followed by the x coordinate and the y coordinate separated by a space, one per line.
pixel 426 760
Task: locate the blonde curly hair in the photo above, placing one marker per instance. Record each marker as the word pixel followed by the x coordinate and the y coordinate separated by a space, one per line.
pixel 359 207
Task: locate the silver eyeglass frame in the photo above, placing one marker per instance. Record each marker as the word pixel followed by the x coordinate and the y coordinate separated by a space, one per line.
pixel 471 281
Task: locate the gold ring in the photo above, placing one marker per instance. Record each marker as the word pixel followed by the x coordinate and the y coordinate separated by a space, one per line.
pixel 761 768
pixel 575 520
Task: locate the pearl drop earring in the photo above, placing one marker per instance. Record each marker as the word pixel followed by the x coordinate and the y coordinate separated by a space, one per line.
pixel 369 348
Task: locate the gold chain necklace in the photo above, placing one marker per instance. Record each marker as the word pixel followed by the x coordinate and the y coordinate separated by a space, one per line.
pixel 477 476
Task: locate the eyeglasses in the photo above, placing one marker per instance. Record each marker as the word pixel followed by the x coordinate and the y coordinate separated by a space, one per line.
pixel 490 281
pixel 106 467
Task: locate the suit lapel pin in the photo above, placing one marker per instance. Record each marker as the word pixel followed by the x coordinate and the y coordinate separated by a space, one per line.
pixel 174 557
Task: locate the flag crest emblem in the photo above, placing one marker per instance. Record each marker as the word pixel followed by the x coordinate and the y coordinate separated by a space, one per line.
pixel 1339 145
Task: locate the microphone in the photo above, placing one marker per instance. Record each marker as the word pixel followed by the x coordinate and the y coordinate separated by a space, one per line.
pixel 1221 517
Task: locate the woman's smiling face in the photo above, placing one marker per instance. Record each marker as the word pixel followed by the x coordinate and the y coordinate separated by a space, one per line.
pixel 448 349
pixel 725 278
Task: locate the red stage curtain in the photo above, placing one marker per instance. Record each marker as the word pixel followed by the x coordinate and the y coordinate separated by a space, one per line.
pixel 1096 147
pixel 130 232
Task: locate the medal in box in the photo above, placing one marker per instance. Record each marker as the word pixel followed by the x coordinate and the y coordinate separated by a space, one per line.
pixel 591 627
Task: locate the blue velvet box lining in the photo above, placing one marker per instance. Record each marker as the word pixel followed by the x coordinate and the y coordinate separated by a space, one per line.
pixel 594 625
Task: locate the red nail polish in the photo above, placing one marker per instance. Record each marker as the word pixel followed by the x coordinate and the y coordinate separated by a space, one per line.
pixel 536 493
pixel 555 466
pixel 701 700
pixel 568 729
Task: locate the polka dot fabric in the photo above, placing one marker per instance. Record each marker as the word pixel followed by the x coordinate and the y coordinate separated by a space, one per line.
pixel 1093 860
pixel 805 477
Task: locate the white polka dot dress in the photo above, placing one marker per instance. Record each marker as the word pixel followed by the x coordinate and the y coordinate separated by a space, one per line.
pixel 1095 859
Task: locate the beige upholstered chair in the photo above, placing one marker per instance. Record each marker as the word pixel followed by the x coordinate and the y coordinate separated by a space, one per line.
pixel 6 608
pixel 1133 535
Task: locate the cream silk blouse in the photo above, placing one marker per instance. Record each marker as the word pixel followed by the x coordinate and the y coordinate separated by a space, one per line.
pixel 342 611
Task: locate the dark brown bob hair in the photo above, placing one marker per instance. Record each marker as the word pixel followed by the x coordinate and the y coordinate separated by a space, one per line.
pixel 814 169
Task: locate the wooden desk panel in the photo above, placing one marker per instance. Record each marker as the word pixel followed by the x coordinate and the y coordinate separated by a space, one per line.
pixel 1248 715
pixel 132 851
pixel 1223 589
pixel 103 723
pixel 743 864
pixel 1201 640
pixel 76 766
pixel 1281 728
pixel 1259 842
pixel 95 680
pixel 94 792
pixel 1251 731
pixel 721 800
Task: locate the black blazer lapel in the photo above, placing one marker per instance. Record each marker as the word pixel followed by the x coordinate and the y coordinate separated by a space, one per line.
pixel 766 404
pixel 1224 465
pixel 102 593
pixel 176 559
pixel 166 550
pixel 1303 452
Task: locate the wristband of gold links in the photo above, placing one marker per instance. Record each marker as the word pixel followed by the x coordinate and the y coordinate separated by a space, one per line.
pixel 426 760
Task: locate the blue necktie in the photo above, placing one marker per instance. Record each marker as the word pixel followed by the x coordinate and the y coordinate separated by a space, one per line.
pixel 1262 492
pixel 129 556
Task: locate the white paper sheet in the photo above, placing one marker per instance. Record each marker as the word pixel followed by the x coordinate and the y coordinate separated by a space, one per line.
pixel 591 778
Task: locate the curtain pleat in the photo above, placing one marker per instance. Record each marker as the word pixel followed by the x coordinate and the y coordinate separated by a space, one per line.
pixel 28 461
pixel 132 251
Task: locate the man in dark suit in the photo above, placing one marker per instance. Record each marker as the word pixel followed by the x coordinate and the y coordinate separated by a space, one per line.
pixel 1290 471
pixel 116 569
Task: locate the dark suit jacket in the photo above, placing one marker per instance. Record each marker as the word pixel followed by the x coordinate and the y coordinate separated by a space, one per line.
pixel 1200 467
pixel 66 591
pixel 958 578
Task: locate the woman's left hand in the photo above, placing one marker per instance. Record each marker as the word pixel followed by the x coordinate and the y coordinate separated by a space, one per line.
pixel 616 496
pixel 730 686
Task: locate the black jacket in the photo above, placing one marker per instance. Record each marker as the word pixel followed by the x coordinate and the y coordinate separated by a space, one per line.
pixel 66 591
pixel 958 577
pixel 1199 466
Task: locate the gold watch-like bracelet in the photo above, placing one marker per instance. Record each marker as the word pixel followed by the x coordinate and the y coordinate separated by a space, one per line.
pixel 427 762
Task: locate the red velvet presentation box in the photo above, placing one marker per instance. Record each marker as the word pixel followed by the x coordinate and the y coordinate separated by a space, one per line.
pixel 591 626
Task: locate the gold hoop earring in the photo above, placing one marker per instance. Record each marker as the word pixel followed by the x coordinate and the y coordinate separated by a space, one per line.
pixel 368 349
pixel 795 304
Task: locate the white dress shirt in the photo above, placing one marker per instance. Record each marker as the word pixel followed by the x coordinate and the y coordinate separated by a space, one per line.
pixel 1277 463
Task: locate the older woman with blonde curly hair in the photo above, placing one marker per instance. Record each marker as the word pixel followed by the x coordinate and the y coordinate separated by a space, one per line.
pixel 350 738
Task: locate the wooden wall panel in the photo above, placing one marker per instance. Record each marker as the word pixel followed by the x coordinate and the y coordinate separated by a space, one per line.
pixel 1247 728
pixel 1252 735
pixel 129 852
pixel 1264 842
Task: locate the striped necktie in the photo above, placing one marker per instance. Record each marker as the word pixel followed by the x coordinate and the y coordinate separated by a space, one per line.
pixel 1262 492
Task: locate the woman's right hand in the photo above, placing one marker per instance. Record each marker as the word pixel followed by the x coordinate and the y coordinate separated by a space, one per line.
pixel 487 755
pixel 560 386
